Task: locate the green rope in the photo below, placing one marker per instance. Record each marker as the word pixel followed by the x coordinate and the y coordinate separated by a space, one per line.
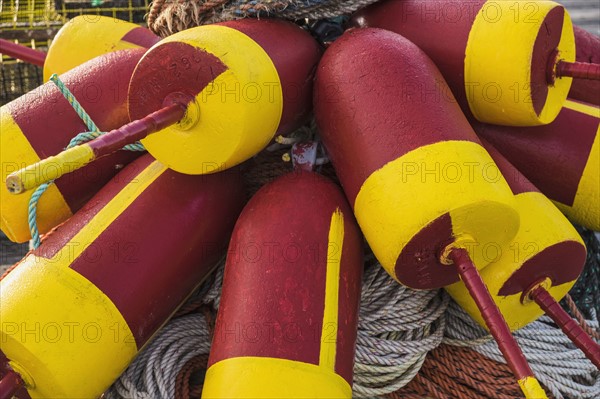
pixel 64 90
pixel 93 133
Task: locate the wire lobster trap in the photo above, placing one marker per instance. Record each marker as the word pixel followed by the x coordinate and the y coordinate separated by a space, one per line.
pixel 31 15
pixel 34 23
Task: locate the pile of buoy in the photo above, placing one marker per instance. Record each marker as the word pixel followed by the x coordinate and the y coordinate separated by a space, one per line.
pixel 459 144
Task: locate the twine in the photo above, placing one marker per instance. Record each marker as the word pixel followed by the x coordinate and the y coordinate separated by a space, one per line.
pixel 167 17
pixel 81 138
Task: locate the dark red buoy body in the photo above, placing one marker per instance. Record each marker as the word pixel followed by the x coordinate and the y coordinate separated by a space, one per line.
pixel 288 315
pixel 102 284
pixel 588 50
pixel 415 172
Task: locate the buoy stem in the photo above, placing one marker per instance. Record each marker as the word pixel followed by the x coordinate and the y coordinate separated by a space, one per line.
pixel 23 53
pixel 77 157
pixel 578 70
pixel 137 130
pixel 494 320
pixel 10 384
pixel 569 326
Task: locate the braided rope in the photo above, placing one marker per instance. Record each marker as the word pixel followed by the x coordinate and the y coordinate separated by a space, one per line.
pixel 93 133
pixel 154 372
pixel 64 90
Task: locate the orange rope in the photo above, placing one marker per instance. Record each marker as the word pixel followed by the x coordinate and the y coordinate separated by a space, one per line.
pixel 461 373
pixel 580 319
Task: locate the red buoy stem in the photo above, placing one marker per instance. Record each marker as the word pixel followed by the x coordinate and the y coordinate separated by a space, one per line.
pixel 579 70
pixel 23 53
pixel 77 157
pixel 491 314
pixel 137 130
pixel 10 384
pixel 569 326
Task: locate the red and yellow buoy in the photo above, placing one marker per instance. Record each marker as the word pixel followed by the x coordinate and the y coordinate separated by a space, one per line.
pixel 414 170
pixel 215 95
pixel 547 254
pixel 505 61
pixel 416 174
pixel 81 39
pixel 243 84
pixel 288 315
pixel 41 123
pixel 561 159
pixel 77 310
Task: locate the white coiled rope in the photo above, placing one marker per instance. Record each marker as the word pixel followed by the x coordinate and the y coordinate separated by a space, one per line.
pixel 397 327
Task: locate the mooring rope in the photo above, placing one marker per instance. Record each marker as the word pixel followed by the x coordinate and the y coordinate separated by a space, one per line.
pixel 81 138
pixel 154 372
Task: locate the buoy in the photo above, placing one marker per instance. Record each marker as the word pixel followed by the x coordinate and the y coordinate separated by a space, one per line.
pixel 588 50
pixel 77 310
pixel 216 94
pixel 288 315
pixel 420 182
pixel 543 261
pixel 41 123
pixel 81 39
pixel 507 62
pixel 561 159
